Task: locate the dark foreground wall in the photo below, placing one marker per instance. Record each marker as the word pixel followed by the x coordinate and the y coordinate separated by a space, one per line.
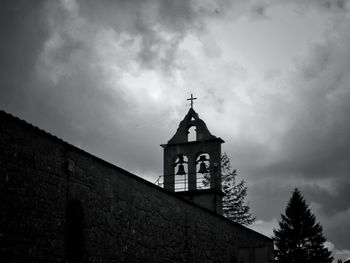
pixel 58 202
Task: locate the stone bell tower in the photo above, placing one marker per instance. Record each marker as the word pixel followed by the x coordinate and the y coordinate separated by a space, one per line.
pixel 187 162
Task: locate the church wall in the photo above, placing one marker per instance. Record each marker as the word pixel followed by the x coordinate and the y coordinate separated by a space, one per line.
pixel 125 218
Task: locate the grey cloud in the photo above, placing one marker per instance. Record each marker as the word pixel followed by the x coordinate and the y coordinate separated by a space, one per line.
pixel 314 148
pixel 331 203
pixel 22 35
pixel 335 4
pixel 319 136
pixel 159 25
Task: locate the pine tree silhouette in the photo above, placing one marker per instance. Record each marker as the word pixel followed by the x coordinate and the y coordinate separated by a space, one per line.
pixel 299 238
pixel 235 207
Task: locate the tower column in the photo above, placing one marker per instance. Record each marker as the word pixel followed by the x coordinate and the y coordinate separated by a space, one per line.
pixel 192 177
pixel 169 173
pixel 215 170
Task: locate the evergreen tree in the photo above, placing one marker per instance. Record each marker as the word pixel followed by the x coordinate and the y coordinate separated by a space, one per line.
pixel 299 238
pixel 234 205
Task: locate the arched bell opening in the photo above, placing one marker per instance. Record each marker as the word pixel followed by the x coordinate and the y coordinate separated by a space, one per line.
pixel 202 171
pixel 192 134
pixel 181 173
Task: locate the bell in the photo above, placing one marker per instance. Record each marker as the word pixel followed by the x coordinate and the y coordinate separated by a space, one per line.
pixel 202 168
pixel 181 170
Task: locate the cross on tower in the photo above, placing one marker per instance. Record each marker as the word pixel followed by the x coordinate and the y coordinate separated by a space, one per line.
pixel 192 99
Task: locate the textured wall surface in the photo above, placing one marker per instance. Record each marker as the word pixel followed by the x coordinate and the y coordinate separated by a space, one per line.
pixel 124 218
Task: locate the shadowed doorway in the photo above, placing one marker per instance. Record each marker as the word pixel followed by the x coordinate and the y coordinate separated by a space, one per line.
pixel 74 232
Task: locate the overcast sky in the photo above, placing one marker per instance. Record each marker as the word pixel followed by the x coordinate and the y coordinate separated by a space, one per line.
pixel 271 77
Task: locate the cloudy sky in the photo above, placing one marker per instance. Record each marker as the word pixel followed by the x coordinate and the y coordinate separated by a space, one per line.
pixel 272 79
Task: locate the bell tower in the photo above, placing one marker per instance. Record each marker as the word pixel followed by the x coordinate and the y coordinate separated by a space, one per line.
pixel 191 160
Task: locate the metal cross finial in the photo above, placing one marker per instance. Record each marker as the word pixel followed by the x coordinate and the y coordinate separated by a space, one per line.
pixel 192 99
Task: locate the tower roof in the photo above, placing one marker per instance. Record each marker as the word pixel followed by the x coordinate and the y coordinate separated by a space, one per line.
pixel 192 119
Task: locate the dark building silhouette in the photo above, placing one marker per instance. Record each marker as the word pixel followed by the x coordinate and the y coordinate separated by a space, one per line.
pixel 59 203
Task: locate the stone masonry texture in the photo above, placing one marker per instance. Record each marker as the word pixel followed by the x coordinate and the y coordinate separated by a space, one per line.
pixel 125 218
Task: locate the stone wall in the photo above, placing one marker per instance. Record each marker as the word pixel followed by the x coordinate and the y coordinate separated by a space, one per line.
pixel 123 218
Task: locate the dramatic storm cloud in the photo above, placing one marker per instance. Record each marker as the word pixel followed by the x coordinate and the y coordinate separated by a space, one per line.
pixel 272 79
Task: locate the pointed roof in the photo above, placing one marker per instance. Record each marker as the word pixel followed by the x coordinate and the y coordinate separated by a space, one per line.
pixel 192 119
